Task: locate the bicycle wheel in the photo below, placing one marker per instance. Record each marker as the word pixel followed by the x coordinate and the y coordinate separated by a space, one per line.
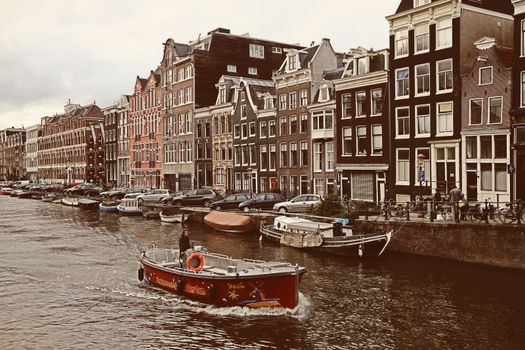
pixel 473 215
pixel 446 214
pixel 503 215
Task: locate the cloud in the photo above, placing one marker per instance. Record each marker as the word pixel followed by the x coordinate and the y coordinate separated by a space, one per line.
pixel 93 50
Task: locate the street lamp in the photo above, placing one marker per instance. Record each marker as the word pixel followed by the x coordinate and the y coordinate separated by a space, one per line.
pixel 421 172
pixel 249 170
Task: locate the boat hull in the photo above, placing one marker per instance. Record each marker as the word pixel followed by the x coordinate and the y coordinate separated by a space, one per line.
pixel 129 211
pixel 369 245
pixel 173 219
pixel 72 202
pixel 109 208
pixel 229 222
pixel 254 292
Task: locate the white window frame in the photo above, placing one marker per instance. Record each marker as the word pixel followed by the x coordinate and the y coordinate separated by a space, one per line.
pixel 447 28
pixel 372 143
pixel 418 3
pixel 252 70
pixel 398 135
pixel 250 129
pixel 346 99
pixel 374 113
pixel 451 72
pixel 398 96
pixel 420 30
pixel 416 76
pixel 231 68
pixel 491 69
pixel 427 134
pixel 292 99
pixel 363 101
pixel 522 88
pixel 329 156
pixel 359 137
pixel 344 152
pixel 438 119
pixel 522 39
pixel 256 51
pixel 401 36
pixel 261 124
pixel 489 107
pixel 317 152
pixel 303 98
pixel 398 181
pixel 297 161
pixel 470 111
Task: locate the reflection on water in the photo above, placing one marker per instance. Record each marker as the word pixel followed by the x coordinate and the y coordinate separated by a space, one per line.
pixel 68 280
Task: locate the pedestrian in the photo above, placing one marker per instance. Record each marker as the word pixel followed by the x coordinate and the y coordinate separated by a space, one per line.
pixel 455 196
pixel 184 244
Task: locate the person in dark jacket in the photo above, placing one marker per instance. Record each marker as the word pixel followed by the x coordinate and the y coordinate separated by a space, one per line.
pixel 184 243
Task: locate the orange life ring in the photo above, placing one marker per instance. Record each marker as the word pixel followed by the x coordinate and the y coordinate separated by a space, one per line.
pixel 195 255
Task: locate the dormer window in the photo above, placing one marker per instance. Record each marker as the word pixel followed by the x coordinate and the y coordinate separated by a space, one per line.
pixel 222 95
pixel 323 94
pixel 292 62
pixel 418 3
pixel 485 76
pixel 268 102
pixel 363 64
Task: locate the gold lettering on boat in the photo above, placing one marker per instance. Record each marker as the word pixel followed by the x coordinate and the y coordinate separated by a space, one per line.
pixel 238 285
pixel 165 283
pixel 192 289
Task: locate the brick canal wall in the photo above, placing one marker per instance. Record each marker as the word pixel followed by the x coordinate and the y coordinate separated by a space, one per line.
pixel 495 245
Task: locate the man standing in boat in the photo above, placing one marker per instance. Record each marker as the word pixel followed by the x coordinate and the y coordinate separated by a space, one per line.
pixel 184 243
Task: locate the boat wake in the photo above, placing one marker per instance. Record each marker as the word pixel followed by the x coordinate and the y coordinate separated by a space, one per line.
pixel 182 304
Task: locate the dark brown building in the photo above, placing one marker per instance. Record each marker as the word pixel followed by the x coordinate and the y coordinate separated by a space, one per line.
pixel 431 45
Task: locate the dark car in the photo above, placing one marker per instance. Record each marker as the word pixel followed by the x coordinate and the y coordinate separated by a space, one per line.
pixel 198 197
pixel 172 198
pixel 231 202
pixel 264 201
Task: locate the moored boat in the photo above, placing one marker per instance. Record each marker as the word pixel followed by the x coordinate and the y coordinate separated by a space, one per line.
pixel 108 206
pixel 229 222
pixel 25 194
pixel 173 215
pixel 88 204
pixel 150 214
pixel 70 201
pixel 221 280
pixel 333 237
pixel 129 206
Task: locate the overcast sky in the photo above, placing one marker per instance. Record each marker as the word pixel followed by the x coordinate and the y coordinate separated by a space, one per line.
pixel 88 51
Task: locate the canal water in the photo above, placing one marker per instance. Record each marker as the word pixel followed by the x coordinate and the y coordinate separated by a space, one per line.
pixel 68 280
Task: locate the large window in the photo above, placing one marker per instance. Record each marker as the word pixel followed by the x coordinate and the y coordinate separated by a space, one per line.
pixel 252 129
pixel 377 102
pixel 263 129
pixel 523 38
pixel 403 166
pixel 304 123
pixel 293 125
pixel 403 122
pixel 444 33
pixel 282 102
pixel 421 2
pixel 485 76
pixel 361 140
pixel 377 139
pixel 471 147
pixel 445 123
pixel 318 161
pixel 423 79
pixel 402 83
pixel 421 38
pixel 273 157
pixel 495 110
pixel 293 154
pixel 347 141
pixel 271 128
pixel 423 120
pixel 256 51
pixel 284 155
pixel 444 75
pixel 283 126
pixel 360 99
pixel 329 156
pixel 322 120
pixel 304 153
pixel 303 95
pixel 293 100
pixel 401 43
pixel 475 111
pixel 346 106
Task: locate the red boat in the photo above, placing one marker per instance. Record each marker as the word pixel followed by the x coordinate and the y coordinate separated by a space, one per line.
pixel 229 222
pixel 221 280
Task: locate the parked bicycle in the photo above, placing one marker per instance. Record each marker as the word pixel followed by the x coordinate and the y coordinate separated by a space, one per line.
pixel 511 212
pixel 394 210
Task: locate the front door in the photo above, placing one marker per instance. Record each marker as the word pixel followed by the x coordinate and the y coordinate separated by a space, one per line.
pixel 472 186
pixel 380 191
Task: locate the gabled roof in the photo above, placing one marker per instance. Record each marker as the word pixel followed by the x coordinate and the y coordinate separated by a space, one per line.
pixel 502 6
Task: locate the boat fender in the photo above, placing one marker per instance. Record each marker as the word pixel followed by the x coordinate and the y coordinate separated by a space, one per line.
pixel 212 291
pixel 141 274
pixel 360 250
pixel 179 286
pixel 195 262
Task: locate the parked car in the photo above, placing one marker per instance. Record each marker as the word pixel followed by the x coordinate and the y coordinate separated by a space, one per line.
pixel 231 202
pixel 199 197
pixel 300 204
pixel 173 197
pixel 135 191
pixel 264 201
pixel 153 195
pixel 117 193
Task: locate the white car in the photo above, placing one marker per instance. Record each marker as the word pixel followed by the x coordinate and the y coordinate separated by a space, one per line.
pixel 153 195
pixel 300 204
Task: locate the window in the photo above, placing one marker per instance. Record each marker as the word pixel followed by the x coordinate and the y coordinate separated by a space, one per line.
pixel 271 128
pixel 303 95
pixel 403 166
pixel 293 100
pixel 377 102
pixel 277 49
pixel 500 174
pixel 245 154
pixel 485 143
pixel 421 38
pixel 485 76
pixel 377 139
pixel 268 102
pixel 243 112
pixel 282 183
pixel 471 147
pixel 283 126
pixel 180 95
pixel 347 141
pixel 486 177
pixel 402 122
pixel 476 111
pixel 284 155
pixel 304 153
pixel 495 110
pixel 444 118
pixel 252 129
pixel 360 98
pixel 500 146
pixel 231 68
pixel 522 89
pixel 282 102
pixel 304 123
pixel 189 94
pixel 361 140
pixel 222 95
pixel 318 161
pixel 293 154
pixel 293 125
pixel 444 75
pixel 346 106
pixel 402 83
pixel 444 33
pixel 522 38
pixel 253 154
pixel 322 120
pixel 329 156
pixel 272 157
pixel 423 120
pixel 319 186
pixel 421 2
pixel 236 131
pixel 323 94
pixel 252 70
pixel 263 129
pixel 423 79
pixel 401 43
pixel 256 51
pixel 244 131
pixel 292 62
pixel 363 64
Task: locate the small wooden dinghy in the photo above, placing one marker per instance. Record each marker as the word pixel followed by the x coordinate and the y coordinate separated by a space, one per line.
pixel 108 206
pixel 173 215
pixel 229 222
pixel 88 204
pixel 72 202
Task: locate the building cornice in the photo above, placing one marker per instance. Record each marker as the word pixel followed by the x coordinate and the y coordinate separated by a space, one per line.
pixel 359 81
pixel 519 7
